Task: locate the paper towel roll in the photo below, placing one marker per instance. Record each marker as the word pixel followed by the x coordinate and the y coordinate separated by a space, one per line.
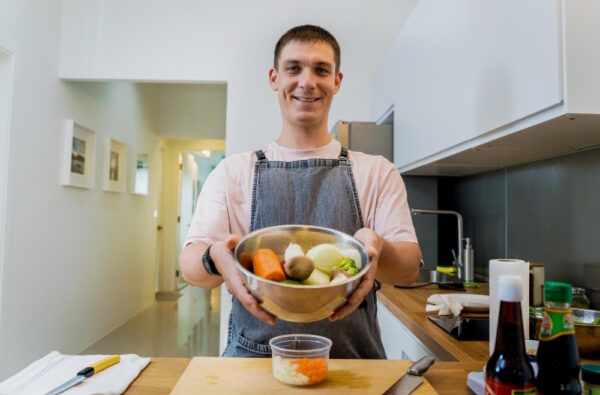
pixel 499 267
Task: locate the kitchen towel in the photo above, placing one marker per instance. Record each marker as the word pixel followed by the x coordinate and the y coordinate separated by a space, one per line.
pixel 499 267
pixel 446 304
pixel 49 372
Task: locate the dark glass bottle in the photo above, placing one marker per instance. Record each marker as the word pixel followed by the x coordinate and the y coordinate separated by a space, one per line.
pixel 508 370
pixel 557 356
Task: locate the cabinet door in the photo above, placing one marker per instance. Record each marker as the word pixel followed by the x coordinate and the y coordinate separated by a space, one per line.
pixel 398 342
pixel 514 60
pixel 406 82
pixel 426 69
pixel 442 72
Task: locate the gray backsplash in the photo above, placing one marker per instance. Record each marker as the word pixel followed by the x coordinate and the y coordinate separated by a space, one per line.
pixel 546 211
pixel 423 193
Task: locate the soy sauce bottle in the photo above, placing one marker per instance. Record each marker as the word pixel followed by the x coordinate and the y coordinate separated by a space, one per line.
pixel 557 356
pixel 508 370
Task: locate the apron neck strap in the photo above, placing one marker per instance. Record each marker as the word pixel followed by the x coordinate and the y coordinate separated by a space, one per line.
pixel 343 155
pixel 260 155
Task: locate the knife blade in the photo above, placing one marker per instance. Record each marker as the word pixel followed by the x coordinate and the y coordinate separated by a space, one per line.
pixel 85 373
pixel 412 378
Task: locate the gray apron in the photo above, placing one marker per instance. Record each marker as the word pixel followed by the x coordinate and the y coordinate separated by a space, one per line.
pixel 312 192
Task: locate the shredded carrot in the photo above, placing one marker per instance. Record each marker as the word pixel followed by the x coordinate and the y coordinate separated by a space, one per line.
pixel 314 369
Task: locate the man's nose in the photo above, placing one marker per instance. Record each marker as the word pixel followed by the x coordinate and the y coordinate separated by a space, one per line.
pixel 307 79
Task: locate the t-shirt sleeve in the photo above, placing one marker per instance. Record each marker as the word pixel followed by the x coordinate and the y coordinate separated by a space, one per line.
pixel 210 222
pixel 392 216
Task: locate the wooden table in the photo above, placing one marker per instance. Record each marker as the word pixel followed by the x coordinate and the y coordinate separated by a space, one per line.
pixel 408 305
pixel 161 375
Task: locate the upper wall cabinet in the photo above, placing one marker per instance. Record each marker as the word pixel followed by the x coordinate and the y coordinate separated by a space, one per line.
pixel 513 61
pixel 423 77
pixel 482 84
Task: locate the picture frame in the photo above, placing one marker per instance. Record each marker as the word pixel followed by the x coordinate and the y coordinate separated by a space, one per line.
pixel 141 175
pixel 115 167
pixel 78 166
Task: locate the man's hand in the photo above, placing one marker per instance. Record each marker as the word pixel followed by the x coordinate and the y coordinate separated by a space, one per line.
pixel 222 254
pixel 373 245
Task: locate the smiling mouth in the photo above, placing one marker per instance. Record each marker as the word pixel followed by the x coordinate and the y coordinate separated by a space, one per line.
pixel 306 99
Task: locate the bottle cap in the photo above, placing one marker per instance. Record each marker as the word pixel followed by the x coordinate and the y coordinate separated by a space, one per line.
pixel 510 288
pixel 558 292
pixel 590 373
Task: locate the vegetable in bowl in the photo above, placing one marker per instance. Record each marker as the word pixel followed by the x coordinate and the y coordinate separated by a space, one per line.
pixel 323 264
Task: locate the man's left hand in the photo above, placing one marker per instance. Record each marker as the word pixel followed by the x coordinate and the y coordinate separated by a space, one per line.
pixel 373 245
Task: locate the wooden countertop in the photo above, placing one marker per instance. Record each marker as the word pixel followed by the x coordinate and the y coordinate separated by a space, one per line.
pixel 447 376
pixel 161 375
pixel 408 305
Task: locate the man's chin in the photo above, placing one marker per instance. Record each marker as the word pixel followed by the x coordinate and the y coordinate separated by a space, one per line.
pixel 307 122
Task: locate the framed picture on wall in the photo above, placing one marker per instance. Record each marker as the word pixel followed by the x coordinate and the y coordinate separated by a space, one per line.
pixel 115 167
pixel 79 156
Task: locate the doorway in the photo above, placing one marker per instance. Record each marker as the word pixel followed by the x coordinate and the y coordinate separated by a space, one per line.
pixel 194 170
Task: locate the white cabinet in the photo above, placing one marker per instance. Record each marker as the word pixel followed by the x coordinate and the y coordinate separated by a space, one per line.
pixel 440 75
pixel 424 76
pixel 513 61
pixel 398 342
pixel 482 84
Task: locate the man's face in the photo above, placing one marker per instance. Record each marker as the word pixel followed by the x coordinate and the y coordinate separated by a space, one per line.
pixel 305 82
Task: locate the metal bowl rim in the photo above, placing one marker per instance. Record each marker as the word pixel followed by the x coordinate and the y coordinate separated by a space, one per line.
pixel 322 229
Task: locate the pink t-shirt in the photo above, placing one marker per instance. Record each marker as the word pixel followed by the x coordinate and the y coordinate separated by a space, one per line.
pixel 225 200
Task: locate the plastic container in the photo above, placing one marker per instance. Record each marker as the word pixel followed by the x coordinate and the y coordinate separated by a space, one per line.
pixel 300 359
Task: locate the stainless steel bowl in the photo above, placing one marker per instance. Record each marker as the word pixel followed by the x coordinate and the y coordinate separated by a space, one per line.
pixel 587 329
pixel 298 303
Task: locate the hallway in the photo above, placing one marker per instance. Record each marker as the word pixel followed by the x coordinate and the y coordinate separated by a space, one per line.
pixel 186 327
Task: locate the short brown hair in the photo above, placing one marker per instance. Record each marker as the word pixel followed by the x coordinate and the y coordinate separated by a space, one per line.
pixel 308 33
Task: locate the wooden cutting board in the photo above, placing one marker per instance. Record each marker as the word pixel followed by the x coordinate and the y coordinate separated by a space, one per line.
pixel 254 375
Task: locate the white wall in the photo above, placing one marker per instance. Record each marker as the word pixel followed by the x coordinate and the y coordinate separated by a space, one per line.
pixel 6 95
pixel 226 41
pixel 78 262
pixel 192 110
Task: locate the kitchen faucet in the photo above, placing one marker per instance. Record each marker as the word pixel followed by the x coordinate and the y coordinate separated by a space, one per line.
pixel 464 261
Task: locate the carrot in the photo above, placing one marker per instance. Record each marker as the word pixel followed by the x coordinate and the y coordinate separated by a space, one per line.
pixel 314 369
pixel 267 265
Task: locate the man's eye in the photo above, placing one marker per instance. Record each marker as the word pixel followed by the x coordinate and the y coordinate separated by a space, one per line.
pixel 293 69
pixel 322 71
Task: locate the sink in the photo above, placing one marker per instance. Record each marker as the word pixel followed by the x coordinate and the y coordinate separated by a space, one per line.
pixel 433 276
pixel 427 277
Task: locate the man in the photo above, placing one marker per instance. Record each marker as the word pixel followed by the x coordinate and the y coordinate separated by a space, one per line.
pixel 290 183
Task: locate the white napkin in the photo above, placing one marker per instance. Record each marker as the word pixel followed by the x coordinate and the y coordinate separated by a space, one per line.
pixel 443 304
pixel 49 372
pixel 446 304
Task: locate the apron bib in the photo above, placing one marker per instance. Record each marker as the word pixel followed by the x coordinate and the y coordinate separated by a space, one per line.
pixel 317 192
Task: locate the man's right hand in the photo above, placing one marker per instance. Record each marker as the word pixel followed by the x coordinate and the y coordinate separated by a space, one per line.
pixel 222 254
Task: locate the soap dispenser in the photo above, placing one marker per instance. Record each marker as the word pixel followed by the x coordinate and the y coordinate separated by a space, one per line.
pixel 468 260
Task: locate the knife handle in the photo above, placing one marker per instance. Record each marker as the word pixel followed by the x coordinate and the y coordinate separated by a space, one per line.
pixel 105 363
pixel 420 366
pixel 99 366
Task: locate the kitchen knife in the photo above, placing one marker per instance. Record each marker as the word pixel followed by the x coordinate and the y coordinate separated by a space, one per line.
pixel 85 373
pixel 411 379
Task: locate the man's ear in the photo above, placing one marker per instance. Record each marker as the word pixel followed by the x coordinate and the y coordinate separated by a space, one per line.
pixel 273 78
pixel 338 82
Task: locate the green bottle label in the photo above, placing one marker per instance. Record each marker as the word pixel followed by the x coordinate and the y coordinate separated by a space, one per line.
pixel 556 322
